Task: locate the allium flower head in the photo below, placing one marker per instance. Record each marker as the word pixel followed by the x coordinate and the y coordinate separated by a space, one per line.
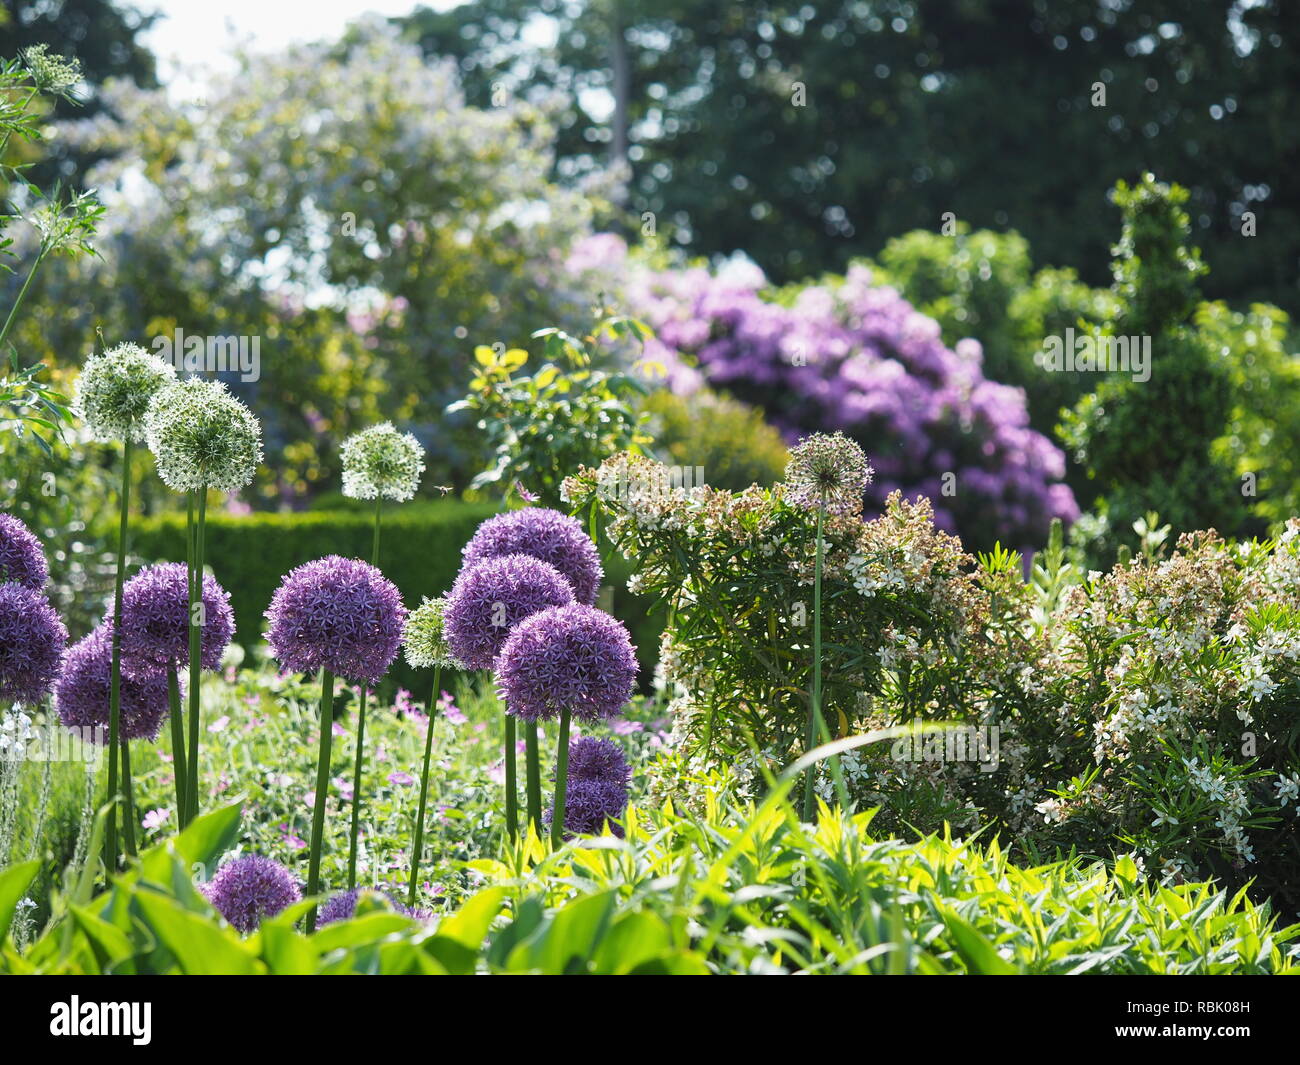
pixel 52 73
pixel 425 637
pixel 32 639
pixel 337 613
pixel 830 470
pixel 546 534
pixel 574 656
pixel 155 620
pixel 491 597
pixel 82 692
pixel 589 804
pixel 343 906
pixel 380 461
pixel 251 888
pixel 593 759
pixel 116 387
pixel 202 437
pixel 22 559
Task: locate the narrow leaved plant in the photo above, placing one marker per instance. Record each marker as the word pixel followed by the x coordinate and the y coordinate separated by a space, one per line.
pixel 378 463
pixel 203 439
pixel 338 617
pixel 113 397
pixel 827 474
pixel 426 647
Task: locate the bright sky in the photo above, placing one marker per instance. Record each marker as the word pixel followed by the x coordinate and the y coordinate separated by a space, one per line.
pixel 195 34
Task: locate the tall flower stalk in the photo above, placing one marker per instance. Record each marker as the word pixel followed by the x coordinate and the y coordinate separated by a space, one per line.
pixel 113 397
pixel 489 599
pixel 322 789
pixel 378 463
pixel 828 473
pixel 156 639
pixel 563 662
pixel 560 541
pixel 203 439
pixel 344 618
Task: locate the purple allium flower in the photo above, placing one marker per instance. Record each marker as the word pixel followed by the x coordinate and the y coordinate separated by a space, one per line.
pixel 593 759
pixel 250 888
pixel 343 906
pixel 574 656
pixel 491 597
pixel 589 804
pixel 32 639
pixel 82 692
pixel 155 620
pixel 830 470
pixel 22 558
pixel 546 534
pixel 337 613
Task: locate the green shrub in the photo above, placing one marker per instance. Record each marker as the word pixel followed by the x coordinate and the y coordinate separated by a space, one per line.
pixel 980 285
pixel 1149 444
pixel 730 442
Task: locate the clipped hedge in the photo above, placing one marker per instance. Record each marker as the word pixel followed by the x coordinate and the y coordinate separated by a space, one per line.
pixel 419 552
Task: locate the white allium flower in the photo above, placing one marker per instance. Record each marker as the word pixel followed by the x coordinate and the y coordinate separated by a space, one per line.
pixel 380 461
pixel 203 437
pixel 424 639
pixel 115 389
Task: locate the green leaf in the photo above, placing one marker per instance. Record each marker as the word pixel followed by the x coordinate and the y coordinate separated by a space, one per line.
pixel 14 883
pixel 201 948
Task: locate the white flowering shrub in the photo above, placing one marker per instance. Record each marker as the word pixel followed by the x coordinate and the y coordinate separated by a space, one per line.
pixel 1175 723
pixel 902 625
pixel 1152 710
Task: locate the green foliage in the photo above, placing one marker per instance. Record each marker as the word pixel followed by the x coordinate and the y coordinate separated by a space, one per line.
pixel 541 427
pixel 738 889
pixel 1149 444
pixel 731 442
pixel 734 572
pixel 344 205
pixel 1262 440
pixel 981 285
pixel 59 226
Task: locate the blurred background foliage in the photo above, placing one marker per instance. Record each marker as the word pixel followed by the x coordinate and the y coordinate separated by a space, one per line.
pixel 376 207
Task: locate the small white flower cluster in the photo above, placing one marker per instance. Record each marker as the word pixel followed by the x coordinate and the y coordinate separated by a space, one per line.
pixel 382 462
pixel 115 389
pixel 202 437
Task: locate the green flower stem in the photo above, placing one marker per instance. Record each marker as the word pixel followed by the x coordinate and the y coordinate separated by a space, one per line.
pixel 512 793
pixel 534 774
pixel 128 803
pixel 22 294
pixel 561 781
pixel 815 724
pixel 196 659
pixel 178 737
pixel 115 677
pixel 356 789
pixel 361 737
pixel 417 848
pixel 322 789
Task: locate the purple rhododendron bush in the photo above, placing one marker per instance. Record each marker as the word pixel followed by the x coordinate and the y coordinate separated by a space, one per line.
pixel 851 354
